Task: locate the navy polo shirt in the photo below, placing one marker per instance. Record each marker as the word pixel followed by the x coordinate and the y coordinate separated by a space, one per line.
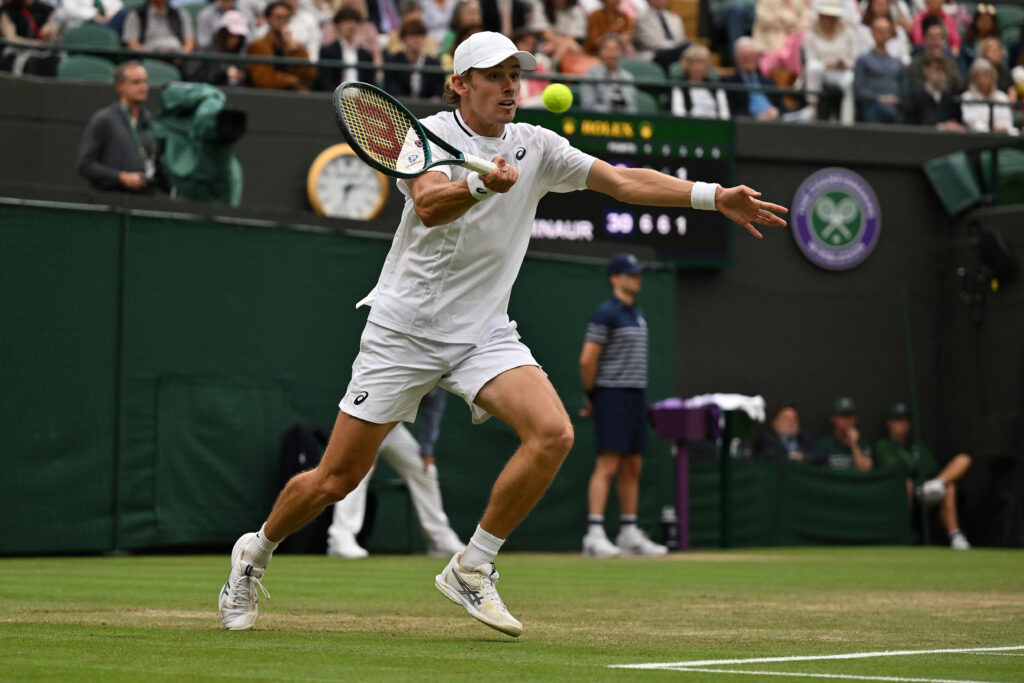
pixel 622 331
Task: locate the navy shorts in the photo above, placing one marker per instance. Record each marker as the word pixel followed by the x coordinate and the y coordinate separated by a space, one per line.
pixel 620 420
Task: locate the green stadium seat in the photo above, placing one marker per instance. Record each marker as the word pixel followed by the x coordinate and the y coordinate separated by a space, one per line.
pixel 643 70
pixel 92 35
pixel 1011 21
pixel 86 68
pixel 161 73
pixel 1008 185
pixel 646 103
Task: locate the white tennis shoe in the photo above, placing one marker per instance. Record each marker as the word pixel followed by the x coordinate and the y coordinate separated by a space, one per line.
pixel 477 591
pixel 596 544
pixel 958 541
pixel 633 541
pixel 345 545
pixel 240 595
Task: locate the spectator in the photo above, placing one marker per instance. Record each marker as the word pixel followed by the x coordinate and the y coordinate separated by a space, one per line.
pixel 830 50
pixel 935 46
pixel 933 8
pixel 660 34
pixel 992 50
pixel 732 18
pixel 419 83
pixel 984 24
pixel 898 45
pixel 600 96
pixel 437 14
pixel 279 43
pixel 985 108
pixel 410 10
pixel 231 33
pixel 915 461
pixel 933 104
pixel 28 23
pixel 613 367
pixel 776 20
pixel 505 16
pixel 384 15
pixel 154 26
pixel 367 37
pixel 751 101
pixel 208 21
pixel 118 149
pixel 78 12
pixel 345 49
pixel 1017 74
pixel 305 26
pixel 697 101
pixel 465 15
pixel 400 450
pixel 843 449
pixel 605 20
pixel 783 440
pixel 567 18
pixel 879 81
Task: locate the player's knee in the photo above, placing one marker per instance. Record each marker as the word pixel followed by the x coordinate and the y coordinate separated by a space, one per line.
pixel 334 486
pixel 554 441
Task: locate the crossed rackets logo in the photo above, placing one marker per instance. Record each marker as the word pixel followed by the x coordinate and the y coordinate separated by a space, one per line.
pixel 836 218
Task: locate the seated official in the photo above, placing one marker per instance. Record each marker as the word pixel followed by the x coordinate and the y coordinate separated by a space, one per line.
pixel 783 440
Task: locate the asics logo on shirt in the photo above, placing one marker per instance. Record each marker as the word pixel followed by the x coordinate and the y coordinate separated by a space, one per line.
pixel 520 153
pixel 360 397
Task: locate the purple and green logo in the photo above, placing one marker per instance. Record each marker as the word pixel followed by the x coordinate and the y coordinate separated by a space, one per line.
pixel 836 218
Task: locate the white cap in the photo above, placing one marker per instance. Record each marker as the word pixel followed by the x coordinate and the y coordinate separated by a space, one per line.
pixel 830 8
pixel 487 49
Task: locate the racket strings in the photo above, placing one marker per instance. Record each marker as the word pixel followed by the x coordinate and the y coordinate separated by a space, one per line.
pixel 377 125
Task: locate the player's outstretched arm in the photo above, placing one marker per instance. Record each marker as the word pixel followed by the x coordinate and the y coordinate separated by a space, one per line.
pixel 439 201
pixel 651 188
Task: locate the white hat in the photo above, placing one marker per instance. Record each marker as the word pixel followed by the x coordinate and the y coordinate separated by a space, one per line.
pixel 486 49
pixel 830 8
pixel 234 21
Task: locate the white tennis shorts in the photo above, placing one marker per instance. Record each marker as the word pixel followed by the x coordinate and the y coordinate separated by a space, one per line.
pixel 393 371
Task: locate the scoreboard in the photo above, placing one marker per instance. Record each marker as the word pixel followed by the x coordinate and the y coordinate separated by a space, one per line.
pixel 593 224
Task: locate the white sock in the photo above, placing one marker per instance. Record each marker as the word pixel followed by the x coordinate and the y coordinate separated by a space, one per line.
pixel 595 524
pixel 482 549
pixel 260 549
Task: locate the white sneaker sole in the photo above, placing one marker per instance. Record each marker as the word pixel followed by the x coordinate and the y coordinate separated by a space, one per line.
pixel 236 554
pixel 453 595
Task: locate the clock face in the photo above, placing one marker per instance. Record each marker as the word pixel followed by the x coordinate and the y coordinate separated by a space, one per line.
pixel 345 187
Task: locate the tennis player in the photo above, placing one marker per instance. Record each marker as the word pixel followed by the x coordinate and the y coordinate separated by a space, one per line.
pixel 439 316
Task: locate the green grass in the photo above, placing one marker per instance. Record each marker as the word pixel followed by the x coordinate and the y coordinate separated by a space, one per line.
pixel 154 618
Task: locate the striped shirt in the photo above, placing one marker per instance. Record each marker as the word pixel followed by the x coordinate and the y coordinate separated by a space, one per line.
pixel 622 331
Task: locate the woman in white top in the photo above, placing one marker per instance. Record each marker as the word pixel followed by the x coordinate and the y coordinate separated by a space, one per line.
pixel 983 96
pixel 830 51
pixel 698 101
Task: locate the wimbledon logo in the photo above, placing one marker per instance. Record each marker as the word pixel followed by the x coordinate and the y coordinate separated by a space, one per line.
pixel 836 219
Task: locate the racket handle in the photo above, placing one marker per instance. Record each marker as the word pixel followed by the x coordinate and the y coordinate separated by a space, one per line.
pixel 481 166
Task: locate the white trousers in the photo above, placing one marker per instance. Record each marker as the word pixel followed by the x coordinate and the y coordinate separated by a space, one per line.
pixel 402 452
pixel 816 74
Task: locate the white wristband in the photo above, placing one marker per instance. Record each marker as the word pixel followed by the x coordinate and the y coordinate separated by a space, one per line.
pixel 477 188
pixel 702 196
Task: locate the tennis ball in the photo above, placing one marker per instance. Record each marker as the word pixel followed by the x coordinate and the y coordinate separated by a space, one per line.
pixel 557 97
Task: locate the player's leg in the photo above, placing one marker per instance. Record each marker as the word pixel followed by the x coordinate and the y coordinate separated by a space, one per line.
pixel 523 398
pixel 596 542
pixel 350 453
pixel 402 451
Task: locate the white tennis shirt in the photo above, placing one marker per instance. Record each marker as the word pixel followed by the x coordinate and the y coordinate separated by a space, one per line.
pixel 452 282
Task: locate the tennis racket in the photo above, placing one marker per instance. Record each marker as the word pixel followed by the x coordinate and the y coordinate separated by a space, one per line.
pixel 388 137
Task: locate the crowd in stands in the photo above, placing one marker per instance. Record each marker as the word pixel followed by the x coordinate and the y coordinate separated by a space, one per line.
pixel 928 62
pixel 844 448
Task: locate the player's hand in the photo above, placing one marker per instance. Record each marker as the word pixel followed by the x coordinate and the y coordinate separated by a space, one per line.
pixel 741 205
pixel 502 178
pixel 428 460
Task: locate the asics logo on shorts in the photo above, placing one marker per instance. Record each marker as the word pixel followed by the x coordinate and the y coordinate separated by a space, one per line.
pixel 360 397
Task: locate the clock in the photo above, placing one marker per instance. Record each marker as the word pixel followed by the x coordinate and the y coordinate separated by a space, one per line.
pixel 341 185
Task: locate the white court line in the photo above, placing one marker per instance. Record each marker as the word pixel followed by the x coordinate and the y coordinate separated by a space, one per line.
pixel 813 658
pixel 810 675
